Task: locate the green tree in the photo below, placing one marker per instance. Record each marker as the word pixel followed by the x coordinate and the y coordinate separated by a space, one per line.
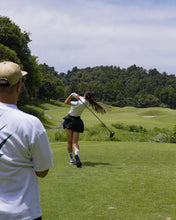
pixel 6 54
pixel 51 86
pixel 168 96
pixel 12 37
pixel 109 92
pixel 144 101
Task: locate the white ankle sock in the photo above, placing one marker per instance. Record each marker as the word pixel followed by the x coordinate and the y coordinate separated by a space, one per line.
pixel 77 152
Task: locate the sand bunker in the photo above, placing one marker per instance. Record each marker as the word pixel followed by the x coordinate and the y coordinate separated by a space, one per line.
pixel 149 116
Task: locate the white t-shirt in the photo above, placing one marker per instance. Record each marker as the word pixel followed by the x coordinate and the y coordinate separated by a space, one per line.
pixel 24 149
pixel 77 107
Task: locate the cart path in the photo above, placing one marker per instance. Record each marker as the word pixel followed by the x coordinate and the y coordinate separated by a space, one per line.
pixel 49 117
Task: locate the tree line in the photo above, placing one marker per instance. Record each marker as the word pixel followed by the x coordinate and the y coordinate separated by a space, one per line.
pixel 132 86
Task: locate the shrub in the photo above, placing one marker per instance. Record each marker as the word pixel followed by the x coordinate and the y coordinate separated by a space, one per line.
pixel 173 136
pixel 162 138
pixel 131 128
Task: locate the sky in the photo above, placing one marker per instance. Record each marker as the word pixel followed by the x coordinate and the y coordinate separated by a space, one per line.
pixel 89 33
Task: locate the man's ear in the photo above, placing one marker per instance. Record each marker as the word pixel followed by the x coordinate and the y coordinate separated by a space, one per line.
pixel 19 85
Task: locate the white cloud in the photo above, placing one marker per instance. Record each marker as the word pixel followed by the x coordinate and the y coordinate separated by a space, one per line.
pixel 90 33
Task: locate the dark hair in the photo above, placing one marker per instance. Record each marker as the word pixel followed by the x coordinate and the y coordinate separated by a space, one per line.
pixel 94 104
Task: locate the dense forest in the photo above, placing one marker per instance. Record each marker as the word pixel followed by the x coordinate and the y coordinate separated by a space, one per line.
pixel 133 86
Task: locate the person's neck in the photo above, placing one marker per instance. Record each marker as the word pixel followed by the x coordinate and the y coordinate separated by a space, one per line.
pixel 8 100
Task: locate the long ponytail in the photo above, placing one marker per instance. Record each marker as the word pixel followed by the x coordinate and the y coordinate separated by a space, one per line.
pixel 95 105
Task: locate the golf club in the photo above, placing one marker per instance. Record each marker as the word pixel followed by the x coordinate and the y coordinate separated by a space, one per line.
pixel 111 132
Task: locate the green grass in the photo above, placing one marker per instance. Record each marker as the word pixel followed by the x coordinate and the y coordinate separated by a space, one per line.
pixel 163 117
pixel 128 123
pixel 118 181
pixel 122 178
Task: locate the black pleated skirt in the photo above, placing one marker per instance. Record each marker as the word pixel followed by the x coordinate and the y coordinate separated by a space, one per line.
pixel 73 123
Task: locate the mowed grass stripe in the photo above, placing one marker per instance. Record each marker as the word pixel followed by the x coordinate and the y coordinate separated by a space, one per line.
pixel 125 181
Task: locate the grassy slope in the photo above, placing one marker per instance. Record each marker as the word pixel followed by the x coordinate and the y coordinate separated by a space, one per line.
pixel 164 118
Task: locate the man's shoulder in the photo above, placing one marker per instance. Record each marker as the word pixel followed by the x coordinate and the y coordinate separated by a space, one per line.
pixel 28 117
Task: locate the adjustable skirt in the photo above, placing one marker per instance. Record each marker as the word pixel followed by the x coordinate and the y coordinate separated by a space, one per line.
pixel 73 123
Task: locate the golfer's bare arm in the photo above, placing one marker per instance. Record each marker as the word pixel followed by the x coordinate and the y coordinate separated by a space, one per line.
pixel 68 99
pixel 42 174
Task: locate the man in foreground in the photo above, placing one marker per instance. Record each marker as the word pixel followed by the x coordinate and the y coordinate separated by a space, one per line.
pixel 25 152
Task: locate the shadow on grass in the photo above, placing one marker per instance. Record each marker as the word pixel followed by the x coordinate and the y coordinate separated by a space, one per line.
pixel 93 164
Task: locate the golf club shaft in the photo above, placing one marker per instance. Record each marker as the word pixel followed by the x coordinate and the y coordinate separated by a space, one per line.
pixel 95 115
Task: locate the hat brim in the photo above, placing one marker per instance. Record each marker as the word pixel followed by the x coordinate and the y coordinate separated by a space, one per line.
pixel 24 73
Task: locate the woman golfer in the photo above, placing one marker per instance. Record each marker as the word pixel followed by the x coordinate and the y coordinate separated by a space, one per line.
pixel 74 125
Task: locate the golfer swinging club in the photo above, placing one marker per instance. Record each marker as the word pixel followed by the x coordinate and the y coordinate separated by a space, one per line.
pixel 74 125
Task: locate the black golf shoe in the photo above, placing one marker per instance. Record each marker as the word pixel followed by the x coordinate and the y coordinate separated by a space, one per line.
pixel 78 162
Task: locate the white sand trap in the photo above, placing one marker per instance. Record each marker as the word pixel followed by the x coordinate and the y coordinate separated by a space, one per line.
pixel 149 116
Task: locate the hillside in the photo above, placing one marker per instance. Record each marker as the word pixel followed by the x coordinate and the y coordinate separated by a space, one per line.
pixel 133 86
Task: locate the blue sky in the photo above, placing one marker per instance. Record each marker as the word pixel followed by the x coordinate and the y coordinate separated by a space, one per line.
pixel 88 33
